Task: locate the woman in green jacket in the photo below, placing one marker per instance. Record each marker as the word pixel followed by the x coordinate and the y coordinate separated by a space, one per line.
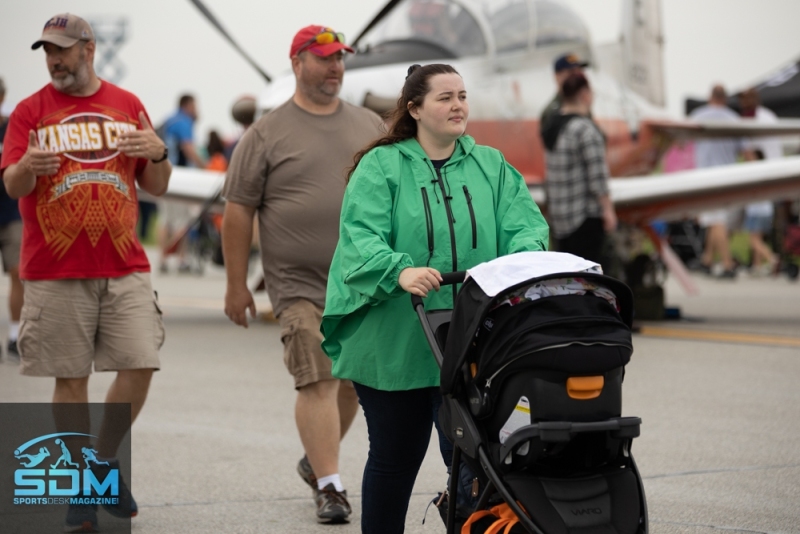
pixel 421 200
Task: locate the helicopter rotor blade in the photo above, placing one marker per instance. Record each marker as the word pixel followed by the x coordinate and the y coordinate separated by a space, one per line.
pixel 214 22
pixel 379 17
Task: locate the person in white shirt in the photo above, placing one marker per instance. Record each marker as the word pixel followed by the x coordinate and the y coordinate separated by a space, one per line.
pixel 711 153
pixel 758 216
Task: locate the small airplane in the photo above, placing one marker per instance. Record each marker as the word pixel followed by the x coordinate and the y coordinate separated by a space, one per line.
pixel 504 50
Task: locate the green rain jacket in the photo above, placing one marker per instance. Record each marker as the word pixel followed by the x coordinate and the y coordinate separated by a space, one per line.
pixel 398 212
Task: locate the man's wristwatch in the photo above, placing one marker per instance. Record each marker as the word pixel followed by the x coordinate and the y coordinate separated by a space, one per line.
pixel 163 157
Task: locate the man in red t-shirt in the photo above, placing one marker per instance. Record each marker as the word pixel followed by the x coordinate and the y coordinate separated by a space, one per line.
pixel 73 154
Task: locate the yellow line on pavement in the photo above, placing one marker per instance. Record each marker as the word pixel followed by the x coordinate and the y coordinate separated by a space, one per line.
pixel 726 337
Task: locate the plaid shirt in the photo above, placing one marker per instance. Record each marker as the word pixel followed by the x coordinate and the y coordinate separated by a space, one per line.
pixel 577 175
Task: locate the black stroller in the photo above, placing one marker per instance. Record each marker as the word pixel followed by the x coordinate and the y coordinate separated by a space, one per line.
pixel 568 468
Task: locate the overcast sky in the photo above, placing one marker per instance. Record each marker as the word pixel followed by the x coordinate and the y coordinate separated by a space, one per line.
pixel 171 49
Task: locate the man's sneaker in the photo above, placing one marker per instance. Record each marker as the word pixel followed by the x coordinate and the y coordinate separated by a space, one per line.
pixel 126 507
pixel 307 473
pixel 13 352
pixel 332 505
pixel 81 518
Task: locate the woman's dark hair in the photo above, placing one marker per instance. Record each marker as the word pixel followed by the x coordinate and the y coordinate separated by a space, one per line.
pixel 573 85
pixel 401 124
pixel 215 144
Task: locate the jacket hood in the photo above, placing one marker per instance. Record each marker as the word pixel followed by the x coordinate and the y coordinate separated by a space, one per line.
pixel 411 149
pixel 550 134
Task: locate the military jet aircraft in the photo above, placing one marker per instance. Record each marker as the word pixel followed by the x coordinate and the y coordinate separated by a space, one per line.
pixel 504 49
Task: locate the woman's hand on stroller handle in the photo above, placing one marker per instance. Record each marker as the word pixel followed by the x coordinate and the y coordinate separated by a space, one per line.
pixel 420 280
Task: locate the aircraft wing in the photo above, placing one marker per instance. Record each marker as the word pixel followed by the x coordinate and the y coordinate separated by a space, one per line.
pixel 191 185
pixel 637 199
pixel 683 194
pixel 741 128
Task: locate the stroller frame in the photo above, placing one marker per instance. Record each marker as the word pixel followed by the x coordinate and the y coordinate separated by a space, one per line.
pixel 467 437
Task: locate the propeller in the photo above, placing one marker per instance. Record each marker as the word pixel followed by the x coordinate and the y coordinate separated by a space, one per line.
pixel 379 17
pixel 213 20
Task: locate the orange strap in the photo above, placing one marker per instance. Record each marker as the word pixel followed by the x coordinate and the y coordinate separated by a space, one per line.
pixel 473 518
pixel 506 519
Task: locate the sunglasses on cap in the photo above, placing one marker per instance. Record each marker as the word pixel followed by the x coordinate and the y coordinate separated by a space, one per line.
pixel 327 36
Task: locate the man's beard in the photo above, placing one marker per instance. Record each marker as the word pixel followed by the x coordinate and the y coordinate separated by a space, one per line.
pixel 73 82
pixel 320 93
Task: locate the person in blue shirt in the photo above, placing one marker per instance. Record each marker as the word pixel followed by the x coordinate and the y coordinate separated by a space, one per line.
pixel 178 132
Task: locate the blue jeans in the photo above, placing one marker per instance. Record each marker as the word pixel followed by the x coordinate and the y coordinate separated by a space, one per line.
pixel 399 426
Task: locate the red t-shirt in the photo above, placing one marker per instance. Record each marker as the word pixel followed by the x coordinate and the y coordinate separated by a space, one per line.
pixel 81 221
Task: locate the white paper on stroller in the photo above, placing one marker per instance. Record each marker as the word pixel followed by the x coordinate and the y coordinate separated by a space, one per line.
pixel 501 273
pixel 521 416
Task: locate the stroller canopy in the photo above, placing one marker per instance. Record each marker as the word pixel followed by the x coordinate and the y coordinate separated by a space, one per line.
pixel 481 293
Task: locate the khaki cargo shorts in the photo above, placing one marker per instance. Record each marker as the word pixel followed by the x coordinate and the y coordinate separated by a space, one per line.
pixel 66 325
pixel 301 337
pixel 10 240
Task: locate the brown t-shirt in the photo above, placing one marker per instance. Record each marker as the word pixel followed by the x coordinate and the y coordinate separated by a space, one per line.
pixel 291 166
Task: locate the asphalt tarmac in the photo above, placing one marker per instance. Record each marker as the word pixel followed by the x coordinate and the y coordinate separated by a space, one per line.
pixel 215 448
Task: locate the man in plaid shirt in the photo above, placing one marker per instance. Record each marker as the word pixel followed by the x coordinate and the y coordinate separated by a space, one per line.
pixel 579 208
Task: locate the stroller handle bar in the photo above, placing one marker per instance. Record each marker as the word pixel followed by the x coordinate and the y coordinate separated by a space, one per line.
pixel 448 279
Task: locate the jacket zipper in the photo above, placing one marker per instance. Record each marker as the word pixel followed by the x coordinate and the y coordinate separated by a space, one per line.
pixel 472 218
pixel 450 222
pixel 559 346
pixel 428 222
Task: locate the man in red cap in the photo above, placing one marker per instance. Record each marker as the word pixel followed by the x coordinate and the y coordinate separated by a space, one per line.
pixel 290 168
pixel 73 154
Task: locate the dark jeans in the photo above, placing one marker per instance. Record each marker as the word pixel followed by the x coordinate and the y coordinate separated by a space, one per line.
pixel 586 242
pixel 399 426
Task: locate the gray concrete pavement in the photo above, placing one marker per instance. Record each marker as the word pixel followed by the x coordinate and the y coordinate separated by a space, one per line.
pixel 215 448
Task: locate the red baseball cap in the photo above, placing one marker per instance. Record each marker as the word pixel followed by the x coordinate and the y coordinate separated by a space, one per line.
pixel 319 40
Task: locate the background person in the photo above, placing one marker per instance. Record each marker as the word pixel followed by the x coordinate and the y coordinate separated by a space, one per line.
pixel 243 111
pixel 179 134
pixel 758 220
pixel 579 207
pixel 216 153
pixel 10 239
pixel 424 198
pixel 759 216
pixel 563 67
pixel 179 138
pixel 711 153
pixel 88 298
pixel 289 167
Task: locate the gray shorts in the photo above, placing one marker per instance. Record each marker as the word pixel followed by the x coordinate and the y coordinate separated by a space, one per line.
pixel 10 240
pixel 68 325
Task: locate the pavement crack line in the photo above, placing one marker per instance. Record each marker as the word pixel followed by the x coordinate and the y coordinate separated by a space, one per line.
pixel 714 527
pixel 722 470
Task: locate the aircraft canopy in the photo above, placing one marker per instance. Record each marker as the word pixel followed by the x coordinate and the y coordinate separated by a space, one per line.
pixel 425 30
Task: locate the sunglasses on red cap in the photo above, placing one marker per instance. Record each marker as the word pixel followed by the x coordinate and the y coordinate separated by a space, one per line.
pixel 326 36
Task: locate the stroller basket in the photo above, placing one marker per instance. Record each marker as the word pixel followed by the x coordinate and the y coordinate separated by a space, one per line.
pixel 532 402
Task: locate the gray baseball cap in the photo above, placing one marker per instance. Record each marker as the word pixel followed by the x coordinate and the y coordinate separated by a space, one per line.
pixel 65 30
